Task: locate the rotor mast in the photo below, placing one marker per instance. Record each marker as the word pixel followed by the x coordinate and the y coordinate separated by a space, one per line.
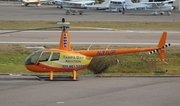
pixel 64 43
pixel 63 27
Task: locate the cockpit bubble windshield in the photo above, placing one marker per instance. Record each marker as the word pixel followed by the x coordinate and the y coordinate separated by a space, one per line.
pixel 32 58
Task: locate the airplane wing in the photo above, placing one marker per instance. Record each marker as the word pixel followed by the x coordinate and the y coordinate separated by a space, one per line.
pixel 105 4
pixel 131 5
pixel 137 6
pixel 163 2
pixel 83 2
pixel 75 7
pixel 37 2
pixel 146 4
pixel 77 4
pixel 73 11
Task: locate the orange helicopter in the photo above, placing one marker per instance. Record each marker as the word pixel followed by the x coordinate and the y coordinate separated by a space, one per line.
pixel 63 59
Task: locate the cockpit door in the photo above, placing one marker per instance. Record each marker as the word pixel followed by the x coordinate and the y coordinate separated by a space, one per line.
pixel 55 56
pixel 49 58
pixel 44 58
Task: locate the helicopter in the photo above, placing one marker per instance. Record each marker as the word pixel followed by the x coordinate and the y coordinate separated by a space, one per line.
pixel 64 59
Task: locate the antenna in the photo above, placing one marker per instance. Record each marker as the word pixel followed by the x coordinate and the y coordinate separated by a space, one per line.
pixel 73 48
pixel 89 47
pixel 108 46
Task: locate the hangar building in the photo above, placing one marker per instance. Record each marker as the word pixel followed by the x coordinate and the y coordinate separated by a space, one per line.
pixel 177 4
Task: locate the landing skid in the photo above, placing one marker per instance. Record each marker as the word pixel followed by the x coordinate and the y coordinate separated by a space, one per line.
pixel 55 78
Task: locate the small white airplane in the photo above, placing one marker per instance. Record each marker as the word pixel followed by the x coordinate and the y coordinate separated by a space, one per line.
pixel 108 5
pixel 74 6
pixel 36 2
pixel 151 6
pixel 74 3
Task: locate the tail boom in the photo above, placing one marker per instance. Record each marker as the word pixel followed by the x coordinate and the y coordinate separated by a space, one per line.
pixel 160 49
pixel 94 53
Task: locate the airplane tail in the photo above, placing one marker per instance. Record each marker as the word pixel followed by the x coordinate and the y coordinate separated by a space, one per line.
pixel 161 47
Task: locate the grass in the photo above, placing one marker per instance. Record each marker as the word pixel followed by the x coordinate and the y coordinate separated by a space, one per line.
pixel 143 67
pixel 41 25
pixel 12 56
pixel 12 59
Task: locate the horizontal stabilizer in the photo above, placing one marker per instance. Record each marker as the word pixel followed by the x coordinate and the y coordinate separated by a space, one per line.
pixel 158 50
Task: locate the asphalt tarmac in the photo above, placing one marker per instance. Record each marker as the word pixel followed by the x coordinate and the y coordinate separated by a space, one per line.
pixel 90 91
pixel 90 37
pixel 14 11
pixel 17 90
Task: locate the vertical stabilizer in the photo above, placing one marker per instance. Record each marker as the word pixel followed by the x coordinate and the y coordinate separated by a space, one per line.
pixel 161 45
pixel 162 40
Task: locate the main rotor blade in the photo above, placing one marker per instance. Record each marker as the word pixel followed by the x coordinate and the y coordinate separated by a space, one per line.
pixel 26 30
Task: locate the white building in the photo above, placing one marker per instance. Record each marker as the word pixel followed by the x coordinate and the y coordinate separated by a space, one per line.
pixel 177 4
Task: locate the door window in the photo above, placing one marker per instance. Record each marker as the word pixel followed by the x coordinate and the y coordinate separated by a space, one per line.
pixel 45 56
pixel 55 56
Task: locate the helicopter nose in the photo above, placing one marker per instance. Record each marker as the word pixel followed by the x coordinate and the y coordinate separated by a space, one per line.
pixel 31 68
pixel 35 68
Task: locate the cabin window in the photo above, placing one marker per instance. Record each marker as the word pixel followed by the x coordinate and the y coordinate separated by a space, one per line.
pixel 32 59
pixel 44 56
pixel 55 56
pixel 35 56
pixel 119 3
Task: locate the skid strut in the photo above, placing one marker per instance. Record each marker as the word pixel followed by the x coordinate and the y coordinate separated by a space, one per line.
pixel 74 75
pixel 51 75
